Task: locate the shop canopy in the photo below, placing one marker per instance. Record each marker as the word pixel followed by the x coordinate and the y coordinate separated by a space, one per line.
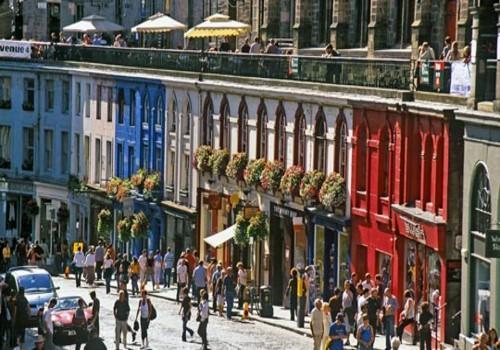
pixel 220 238
pixel 93 24
pixel 217 25
pixel 159 23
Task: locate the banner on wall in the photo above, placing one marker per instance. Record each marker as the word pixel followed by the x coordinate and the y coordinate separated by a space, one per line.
pixel 15 49
pixel 461 79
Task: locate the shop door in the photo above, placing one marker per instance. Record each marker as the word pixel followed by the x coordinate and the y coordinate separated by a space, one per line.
pixel 451 18
pixel 277 250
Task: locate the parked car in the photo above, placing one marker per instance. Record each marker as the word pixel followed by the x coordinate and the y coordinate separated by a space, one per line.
pixel 64 331
pixel 38 287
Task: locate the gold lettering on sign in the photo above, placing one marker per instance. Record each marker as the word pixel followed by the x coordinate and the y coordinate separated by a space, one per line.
pixel 413 229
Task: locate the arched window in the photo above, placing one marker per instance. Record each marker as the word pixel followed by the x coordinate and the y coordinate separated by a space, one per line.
pixel 262 131
pixel 340 162
pixel 145 110
pixel 418 167
pixel 280 135
pixel 481 202
pixel 428 150
pixel 225 125
pixel 159 112
pixel 385 160
pixel 361 159
pixel 300 138
pixel 208 122
pixel 320 142
pixel 243 127
pixel 172 120
pixel 187 118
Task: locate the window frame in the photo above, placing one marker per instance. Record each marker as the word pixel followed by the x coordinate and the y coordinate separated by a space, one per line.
pixel 225 125
pixel 341 160
pixel 280 135
pixel 320 141
pixel 299 138
pixel 208 122
pixel 262 119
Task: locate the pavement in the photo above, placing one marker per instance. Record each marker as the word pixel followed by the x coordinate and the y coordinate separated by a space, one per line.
pixel 280 319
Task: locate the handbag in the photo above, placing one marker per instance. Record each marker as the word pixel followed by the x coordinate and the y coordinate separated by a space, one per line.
pixel 136 325
pixel 153 311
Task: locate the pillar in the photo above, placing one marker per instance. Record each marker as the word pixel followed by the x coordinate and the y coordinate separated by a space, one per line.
pixel 339 29
pixel 463 23
pixel 496 103
pixel 421 26
pixel 271 20
pixel 302 25
pixel 377 27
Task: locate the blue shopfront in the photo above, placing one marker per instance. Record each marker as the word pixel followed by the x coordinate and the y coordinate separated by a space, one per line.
pixel 328 250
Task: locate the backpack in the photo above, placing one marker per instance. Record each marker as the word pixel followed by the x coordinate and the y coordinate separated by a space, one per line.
pixel 153 311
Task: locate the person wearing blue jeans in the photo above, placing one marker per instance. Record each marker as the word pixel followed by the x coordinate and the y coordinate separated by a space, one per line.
pixel 229 291
pixel 389 306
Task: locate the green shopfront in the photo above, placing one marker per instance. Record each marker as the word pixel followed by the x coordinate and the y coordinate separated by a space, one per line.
pixel 480 258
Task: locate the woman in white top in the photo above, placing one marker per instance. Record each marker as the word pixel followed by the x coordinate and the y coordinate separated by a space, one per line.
pixel 158 263
pixel 327 322
pixel 145 309
pixel 90 266
pixel 407 315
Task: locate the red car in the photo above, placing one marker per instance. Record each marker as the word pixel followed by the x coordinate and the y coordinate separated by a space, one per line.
pixel 65 333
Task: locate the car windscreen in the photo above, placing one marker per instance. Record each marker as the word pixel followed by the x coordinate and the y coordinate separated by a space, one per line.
pixel 35 283
pixel 67 304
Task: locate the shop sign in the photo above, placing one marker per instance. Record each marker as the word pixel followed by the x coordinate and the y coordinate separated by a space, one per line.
pixel 283 212
pixel 15 49
pixel 414 230
pixel 453 271
pixel 493 244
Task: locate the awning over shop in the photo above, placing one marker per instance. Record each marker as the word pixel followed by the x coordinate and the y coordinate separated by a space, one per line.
pixel 220 238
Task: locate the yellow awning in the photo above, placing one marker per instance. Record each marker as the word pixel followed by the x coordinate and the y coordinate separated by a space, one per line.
pixel 216 26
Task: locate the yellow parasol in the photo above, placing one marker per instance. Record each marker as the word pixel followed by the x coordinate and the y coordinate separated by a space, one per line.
pixel 159 23
pixel 217 25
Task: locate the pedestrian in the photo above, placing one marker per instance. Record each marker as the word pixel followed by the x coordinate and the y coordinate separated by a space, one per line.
pixel 245 48
pixel 191 264
pixel 426 53
pixel 143 264
pixel 203 319
pixel 168 265
pixel 43 251
pixel 145 309
pixel 291 292
pixel 492 338
pixel 255 47
pixel 182 277
pixel 316 324
pixel 150 270
pixel 363 294
pixel 327 322
pixel 219 292
pixel 367 282
pixel 40 343
pixel 65 257
pixel 482 344
pixel 372 305
pixel 242 283
pixel 424 326
pixel 407 315
pixel 96 309
pixel 272 48
pixel 185 312
pixel 6 255
pixel 210 271
pixel 99 259
pixel 215 277
pixel 446 48
pixel 330 52
pixel 335 302
pixel 365 334
pixel 22 313
pixel 80 324
pixel 89 267
pixel 123 288
pixel 107 266
pixel 118 266
pixel 200 280
pixel 6 315
pixel 389 307
pixel 229 292
pixel 158 263
pixel 337 333
pixel 121 311
pixel 454 53
pixel 348 307
pixel 134 271
pixel 21 251
pixel 123 272
pixel 94 343
pixel 49 325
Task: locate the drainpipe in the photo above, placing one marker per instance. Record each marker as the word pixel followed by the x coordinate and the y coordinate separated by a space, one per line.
pixel 37 131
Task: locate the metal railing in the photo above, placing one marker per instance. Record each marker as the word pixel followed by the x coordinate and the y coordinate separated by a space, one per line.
pixel 491 79
pixel 365 72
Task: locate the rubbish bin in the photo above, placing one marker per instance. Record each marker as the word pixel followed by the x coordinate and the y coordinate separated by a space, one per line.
pixel 266 306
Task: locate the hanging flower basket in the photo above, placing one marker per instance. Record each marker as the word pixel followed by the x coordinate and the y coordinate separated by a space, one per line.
pixel 124 228
pixel 218 161
pixel 151 184
pixel 236 166
pixel 140 225
pixel 62 214
pixel 257 227
pixel 118 189
pixel 290 182
pixel 241 237
pixel 311 185
pixel 254 171
pixel 201 158
pixel 32 208
pixel 333 192
pixel 270 178
pixel 104 222
pixel 137 180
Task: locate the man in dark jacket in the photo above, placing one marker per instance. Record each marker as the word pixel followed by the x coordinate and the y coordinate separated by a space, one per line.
pixel 372 305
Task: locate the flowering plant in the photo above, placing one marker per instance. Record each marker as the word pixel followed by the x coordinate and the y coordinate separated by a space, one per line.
pixel 270 179
pixel 257 227
pixel 118 188
pixel 124 227
pixel 311 184
pixel 151 183
pixel 32 208
pixel 202 158
pixel 218 161
pixel 332 193
pixel 236 166
pixel 104 222
pixel 140 225
pixel 290 182
pixel 240 232
pixel 254 171
pixel 137 180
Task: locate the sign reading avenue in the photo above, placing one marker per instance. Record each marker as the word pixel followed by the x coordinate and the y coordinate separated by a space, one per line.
pixel 493 244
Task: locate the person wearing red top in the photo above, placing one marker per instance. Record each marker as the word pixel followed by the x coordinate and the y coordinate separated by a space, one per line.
pixel 191 264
